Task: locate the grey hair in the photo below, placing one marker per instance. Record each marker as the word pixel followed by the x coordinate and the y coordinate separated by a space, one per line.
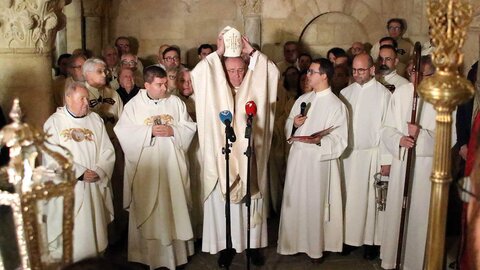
pixel 109 47
pixel 89 65
pixel 72 87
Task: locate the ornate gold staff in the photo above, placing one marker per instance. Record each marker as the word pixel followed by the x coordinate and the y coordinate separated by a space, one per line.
pixel 446 89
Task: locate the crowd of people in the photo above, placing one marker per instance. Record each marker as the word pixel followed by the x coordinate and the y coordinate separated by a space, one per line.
pixel 149 141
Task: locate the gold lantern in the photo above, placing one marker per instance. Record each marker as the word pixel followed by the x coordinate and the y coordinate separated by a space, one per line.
pixel 449 20
pixel 28 188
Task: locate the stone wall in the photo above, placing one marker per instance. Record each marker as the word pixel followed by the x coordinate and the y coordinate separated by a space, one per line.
pixel 188 23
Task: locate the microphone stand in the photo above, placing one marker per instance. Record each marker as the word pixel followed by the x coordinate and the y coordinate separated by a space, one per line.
pixel 248 199
pixel 226 151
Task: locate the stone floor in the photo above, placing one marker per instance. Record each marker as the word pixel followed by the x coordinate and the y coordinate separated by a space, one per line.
pixel 273 261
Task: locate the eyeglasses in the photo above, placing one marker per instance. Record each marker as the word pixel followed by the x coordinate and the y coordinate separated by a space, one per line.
pixel 359 70
pixel 311 71
pixel 170 59
pixel 75 67
pixel 131 63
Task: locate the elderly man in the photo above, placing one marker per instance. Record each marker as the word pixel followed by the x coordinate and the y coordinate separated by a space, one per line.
pixel 311 216
pixel 387 68
pixel 217 90
pixel 110 56
pixel 84 135
pixel 155 132
pixel 128 89
pixel 367 100
pixel 102 99
pixel 129 60
pixel 357 48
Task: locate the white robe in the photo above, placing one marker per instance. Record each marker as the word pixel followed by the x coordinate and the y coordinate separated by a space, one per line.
pixel 91 148
pixel 367 106
pixel 399 113
pixel 395 79
pixel 311 218
pixel 212 95
pixel 157 190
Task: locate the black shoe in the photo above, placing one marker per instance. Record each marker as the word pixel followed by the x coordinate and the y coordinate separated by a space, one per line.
pixel 347 249
pixel 316 261
pixel 226 257
pixel 256 257
pixel 371 252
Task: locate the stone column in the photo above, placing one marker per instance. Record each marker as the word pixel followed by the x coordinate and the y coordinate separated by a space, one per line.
pixel 93 10
pixel 27 33
pixel 251 10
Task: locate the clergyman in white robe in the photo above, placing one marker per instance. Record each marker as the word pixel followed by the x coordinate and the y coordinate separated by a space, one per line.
pixel 213 94
pixel 399 113
pixel 157 184
pixel 311 218
pixel 87 140
pixel 367 104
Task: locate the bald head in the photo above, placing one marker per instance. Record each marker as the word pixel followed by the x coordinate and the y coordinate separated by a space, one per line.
pixel 362 68
pixel 235 67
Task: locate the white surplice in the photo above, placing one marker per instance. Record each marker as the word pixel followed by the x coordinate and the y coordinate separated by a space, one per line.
pixel 367 106
pixel 157 185
pixel 399 113
pixel 213 94
pixel 311 217
pixel 88 141
pixel 395 79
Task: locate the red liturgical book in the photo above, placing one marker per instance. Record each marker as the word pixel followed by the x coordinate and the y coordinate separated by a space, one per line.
pixel 313 135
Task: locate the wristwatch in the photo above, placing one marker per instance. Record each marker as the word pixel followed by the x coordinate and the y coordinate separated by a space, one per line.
pixel 319 143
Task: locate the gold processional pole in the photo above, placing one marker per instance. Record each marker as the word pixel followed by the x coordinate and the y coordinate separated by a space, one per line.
pixel 446 89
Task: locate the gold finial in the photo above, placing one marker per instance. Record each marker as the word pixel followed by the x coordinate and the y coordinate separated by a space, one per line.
pixel 449 22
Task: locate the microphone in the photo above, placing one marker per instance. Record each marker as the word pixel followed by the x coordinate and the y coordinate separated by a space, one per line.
pixel 303 107
pixel 226 118
pixel 251 108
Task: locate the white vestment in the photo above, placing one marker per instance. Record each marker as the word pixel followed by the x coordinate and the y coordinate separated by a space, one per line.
pixel 399 113
pixel 195 171
pixel 213 95
pixel 395 79
pixel 87 140
pixel 157 185
pixel 311 216
pixel 367 106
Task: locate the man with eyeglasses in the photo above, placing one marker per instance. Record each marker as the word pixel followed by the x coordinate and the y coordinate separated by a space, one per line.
pixel 130 61
pixel 74 70
pixel 396 29
pixel 311 218
pixel 171 58
pixel 398 135
pixel 230 88
pixel 387 68
pixel 367 101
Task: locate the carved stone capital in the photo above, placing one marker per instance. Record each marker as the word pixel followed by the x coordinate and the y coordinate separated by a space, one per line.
pixel 29 25
pixel 250 7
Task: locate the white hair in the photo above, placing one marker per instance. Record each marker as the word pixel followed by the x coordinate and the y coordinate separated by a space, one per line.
pixel 89 65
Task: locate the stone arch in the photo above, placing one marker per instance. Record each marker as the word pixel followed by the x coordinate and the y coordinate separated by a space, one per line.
pixel 331 29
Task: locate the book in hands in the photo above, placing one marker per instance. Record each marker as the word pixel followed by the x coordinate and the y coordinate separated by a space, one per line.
pixel 320 133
